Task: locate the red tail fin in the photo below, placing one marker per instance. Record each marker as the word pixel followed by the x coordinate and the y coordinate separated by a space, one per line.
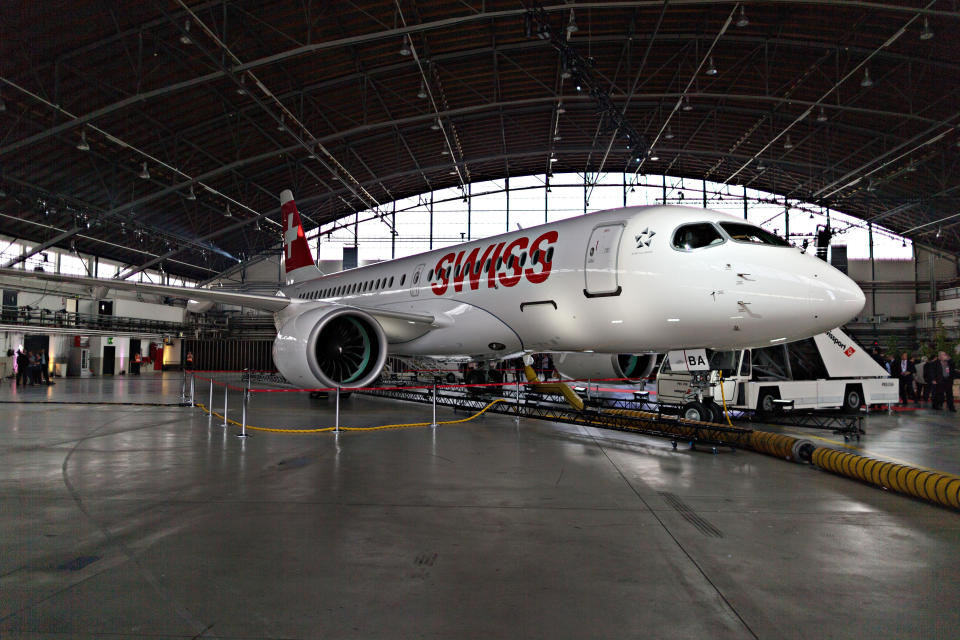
pixel 296 252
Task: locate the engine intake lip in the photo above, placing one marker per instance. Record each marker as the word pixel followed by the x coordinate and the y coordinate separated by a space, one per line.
pixel 375 347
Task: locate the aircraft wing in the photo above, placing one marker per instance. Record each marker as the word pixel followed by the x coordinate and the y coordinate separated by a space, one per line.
pixel 254 301
pixel 398 325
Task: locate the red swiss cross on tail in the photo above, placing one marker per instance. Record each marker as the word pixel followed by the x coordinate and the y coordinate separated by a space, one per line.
pixel 296 253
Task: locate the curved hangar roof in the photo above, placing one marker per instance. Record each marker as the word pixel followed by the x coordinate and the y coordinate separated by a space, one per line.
pixel 190 108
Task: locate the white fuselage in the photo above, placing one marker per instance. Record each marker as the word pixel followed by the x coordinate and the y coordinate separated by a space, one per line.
pixel 609 282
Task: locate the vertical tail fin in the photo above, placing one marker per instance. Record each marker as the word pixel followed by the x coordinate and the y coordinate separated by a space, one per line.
pixel 297 259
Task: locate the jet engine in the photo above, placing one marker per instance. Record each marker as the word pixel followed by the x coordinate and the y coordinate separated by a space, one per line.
pixel 330 347
pixel 599 366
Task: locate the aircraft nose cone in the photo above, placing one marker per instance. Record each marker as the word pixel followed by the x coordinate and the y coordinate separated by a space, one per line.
pixel 838 298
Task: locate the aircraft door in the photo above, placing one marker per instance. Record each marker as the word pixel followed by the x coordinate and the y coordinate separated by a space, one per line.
pixel 600 268
pixel 415 280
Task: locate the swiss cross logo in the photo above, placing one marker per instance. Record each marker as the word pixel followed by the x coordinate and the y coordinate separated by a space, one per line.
pixel 849 352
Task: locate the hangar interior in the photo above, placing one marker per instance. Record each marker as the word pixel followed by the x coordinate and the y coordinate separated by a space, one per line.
pixel 149 142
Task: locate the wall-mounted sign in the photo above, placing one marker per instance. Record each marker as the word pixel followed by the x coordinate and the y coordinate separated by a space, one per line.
pixel 81 341
pixel 109 340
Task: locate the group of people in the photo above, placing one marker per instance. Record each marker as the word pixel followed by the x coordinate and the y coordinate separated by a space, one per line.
pixel 923 379
pixel 33 367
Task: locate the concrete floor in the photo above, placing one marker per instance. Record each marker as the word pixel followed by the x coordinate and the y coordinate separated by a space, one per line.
pixel 153 522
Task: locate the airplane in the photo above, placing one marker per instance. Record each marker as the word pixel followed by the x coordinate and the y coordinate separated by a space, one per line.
pixel 604 292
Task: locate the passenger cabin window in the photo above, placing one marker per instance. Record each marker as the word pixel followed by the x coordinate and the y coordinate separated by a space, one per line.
pixel 403 278
pixel 740 232
pixel 696 236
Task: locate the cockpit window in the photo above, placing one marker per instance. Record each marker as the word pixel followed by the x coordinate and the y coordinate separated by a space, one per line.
pixel 694 236
pixel 741 232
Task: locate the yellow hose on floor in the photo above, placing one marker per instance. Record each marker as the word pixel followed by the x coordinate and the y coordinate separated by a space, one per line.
pixel 941 488
pixel 560 388
pixel 329 429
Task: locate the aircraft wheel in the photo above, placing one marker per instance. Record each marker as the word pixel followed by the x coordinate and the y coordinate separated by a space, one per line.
pixel 451 378
pixel 495 376
pixel 474 377
pixel 694 411
pixel 716 413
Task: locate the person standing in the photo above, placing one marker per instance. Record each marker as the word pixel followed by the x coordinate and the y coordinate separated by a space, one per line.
pixel 44 366
pixel 943 375
pixel 921 380
pixel 189 360
pixel 135 365
pixel 888 364
pixel 905 370
pixel 33 368
pixel 23 366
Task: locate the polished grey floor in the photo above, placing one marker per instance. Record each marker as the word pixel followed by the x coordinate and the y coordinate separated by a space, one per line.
pixel 154 522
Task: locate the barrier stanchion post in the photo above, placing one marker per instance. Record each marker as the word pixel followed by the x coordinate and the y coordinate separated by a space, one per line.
pixel 210 402
pixel 226 391
pixel 183 384
pixel 336 424
pixel 588 389
pixel 192 389
pixel 518 399
pixel 434 423
pixel 243 409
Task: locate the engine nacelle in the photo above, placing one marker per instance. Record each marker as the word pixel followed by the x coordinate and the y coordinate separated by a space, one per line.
pixel 199 306
pixel 600 366
pixel 330 347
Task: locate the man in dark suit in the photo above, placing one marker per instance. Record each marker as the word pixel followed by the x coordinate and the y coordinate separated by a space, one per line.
pixel 928 368
pixel 905 370
pixel 943 375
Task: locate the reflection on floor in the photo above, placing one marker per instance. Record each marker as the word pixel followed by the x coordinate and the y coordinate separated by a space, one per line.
pixel 153 521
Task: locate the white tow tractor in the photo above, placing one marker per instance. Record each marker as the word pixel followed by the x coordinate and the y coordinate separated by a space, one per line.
pixel 827 371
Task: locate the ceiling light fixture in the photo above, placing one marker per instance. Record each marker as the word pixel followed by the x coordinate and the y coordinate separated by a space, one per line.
pixel 712 69
pixel 553 159
pixel 191 195
pixel 228 213
pixel 280 126
pixel 422 94
pixel 787 144
pixel 242 89
pixel 867 82
pixel 83 145
pixel 3 105
pixel 938 232
pixel 686 104
pixel 185 37
pixel 405 48
pixel 435 125
pixel 926 34
pixel 572 25
pixel 822 116
pixel 669 134
pixel 560 108
pixel 144 172
pixel 742 21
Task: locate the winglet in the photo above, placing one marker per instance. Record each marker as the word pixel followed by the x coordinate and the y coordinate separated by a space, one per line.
pixel 296 252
